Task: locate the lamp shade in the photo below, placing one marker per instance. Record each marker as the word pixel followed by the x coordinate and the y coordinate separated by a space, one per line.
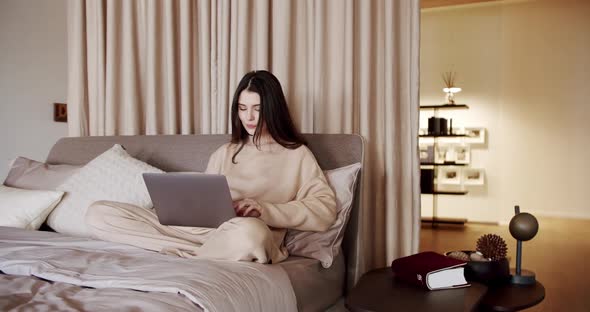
pixel 452 90
pixel 523 226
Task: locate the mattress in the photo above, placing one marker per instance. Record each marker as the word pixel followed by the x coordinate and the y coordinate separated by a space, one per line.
pixel 64 264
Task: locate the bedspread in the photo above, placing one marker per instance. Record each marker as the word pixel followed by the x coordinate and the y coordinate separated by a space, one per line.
pixel 211 284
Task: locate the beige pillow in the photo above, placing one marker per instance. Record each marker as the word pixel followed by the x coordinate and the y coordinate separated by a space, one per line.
pixel 325 246
pixel 33 175
pixel 26 209
pixel 113 175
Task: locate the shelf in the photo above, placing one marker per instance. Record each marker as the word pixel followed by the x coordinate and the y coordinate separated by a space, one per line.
pixel 445 106
pixel 447 193
pixel 442 135
pixel 428 168
pixel 442 164
pixel 444 220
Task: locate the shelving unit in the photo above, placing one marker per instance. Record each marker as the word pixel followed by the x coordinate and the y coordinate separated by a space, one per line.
pixel 443 106
pixel 442 136
pixel 447 193
pixel 445 220
pixel 444 164
pixel 434 220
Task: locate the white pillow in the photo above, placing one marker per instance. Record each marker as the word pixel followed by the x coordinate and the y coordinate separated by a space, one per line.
pixel 114 175
pixel 325 246
pixel 26 209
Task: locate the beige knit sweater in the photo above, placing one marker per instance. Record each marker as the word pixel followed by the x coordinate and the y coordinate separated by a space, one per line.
pixel 288 183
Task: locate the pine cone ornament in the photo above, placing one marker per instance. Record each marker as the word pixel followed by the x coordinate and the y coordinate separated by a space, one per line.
pixel 459 255
pixel 492 246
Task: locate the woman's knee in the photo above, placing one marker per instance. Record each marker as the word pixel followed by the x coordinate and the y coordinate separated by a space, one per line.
pixel 253 231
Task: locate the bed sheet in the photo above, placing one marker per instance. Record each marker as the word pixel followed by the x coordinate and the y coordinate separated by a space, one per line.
pixel 29 259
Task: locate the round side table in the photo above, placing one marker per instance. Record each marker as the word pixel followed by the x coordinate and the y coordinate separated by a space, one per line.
pixel 378 290
pixel 511 297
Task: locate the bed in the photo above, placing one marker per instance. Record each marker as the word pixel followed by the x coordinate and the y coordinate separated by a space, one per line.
pixel 44 270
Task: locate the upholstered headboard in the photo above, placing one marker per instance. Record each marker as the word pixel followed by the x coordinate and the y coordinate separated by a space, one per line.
pixel 191 153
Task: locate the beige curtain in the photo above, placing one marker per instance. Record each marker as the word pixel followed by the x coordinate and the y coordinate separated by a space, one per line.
pixel 170 67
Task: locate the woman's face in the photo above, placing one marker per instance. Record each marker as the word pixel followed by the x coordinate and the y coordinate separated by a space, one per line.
pixel 249 110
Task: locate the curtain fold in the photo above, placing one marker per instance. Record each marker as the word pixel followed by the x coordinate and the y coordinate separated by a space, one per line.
pixel 347 66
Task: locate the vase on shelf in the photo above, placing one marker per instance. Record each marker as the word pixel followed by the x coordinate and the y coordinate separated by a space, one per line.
pixel 450 95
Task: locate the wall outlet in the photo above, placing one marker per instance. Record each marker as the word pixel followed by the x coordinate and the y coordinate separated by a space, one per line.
pixel 60 112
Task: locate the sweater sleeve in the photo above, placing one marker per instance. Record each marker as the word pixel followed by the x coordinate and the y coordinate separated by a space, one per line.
pixel 314 206
pixel 215 161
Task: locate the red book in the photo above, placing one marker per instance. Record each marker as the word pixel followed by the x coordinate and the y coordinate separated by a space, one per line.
pixel 430 270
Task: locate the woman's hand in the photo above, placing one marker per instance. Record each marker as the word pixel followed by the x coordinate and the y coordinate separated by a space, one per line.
pixel 247 208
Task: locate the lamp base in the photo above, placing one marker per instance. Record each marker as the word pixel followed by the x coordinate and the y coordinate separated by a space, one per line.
pixel 526 277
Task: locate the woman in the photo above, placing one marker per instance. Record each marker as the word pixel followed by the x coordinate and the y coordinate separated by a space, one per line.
pixel 274 179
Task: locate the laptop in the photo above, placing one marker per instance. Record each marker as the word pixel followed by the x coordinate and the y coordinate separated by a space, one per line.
pixel 190 199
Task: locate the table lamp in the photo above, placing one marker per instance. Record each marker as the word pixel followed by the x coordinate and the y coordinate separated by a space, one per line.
pixel 523 227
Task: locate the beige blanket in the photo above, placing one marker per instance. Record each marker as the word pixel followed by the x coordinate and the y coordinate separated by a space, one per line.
pixel 172 282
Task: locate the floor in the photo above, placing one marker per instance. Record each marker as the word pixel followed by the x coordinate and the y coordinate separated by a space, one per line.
pixel 559 255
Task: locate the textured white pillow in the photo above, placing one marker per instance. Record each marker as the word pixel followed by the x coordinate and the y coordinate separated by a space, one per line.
pixel 26 209
pixel 114 175
pixel 325 246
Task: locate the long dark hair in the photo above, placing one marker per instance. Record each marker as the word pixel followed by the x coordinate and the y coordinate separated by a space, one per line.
pixel 274 112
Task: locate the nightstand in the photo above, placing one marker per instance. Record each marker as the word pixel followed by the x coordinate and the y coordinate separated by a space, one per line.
pixel 378 290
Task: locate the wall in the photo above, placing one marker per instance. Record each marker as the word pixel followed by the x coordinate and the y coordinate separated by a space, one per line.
pixel 33 66
pixel 525 73
pixel 523 66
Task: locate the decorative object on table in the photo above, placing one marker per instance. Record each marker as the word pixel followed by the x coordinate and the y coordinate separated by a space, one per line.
pixel 481 269
pixel 477 256
pixel 523 227
pixel 451 89
pixel 473 176
pixel 430 270
pixel 474 135
pixel 488 264
pixel 492 246
pixel 426 153
pixel 459 255
pixel 437 126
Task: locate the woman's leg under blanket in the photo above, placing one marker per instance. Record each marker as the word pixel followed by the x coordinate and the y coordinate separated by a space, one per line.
pixel 132 225
pixel 244 239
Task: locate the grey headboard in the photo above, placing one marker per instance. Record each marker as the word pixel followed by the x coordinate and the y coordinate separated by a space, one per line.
pixel 191 153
